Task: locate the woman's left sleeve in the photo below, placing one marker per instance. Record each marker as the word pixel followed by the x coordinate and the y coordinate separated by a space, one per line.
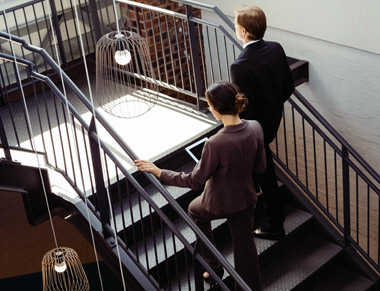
pixel 202 171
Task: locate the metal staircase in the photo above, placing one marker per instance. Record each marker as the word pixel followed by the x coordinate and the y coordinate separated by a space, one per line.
pixel 304 260
pixel 145 225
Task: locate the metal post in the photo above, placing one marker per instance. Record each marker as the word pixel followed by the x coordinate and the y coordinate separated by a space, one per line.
pixel 195 57
pixel 198 276
pixel 95 19
pixel 346 196
pixel 2 95
pixel 58 34
pixel 4 141
pixel 101 193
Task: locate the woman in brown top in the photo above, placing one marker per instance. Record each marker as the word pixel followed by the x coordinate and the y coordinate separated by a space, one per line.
pixel 228 160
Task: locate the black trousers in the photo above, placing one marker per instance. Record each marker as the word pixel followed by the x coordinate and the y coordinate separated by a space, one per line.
pixel 271 193
pixel 241 227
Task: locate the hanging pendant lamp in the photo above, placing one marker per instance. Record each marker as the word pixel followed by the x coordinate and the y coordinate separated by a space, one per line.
pixel 125 79
pixel 61 267
pixel 62 270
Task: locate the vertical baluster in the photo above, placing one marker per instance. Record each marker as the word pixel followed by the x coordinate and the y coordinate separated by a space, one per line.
pixel 295 142
pixel 210 56
pixel 368 220
pixel 58 33
pixel 154 241
pixel 326 175
pixel 101 193
pixel 357 206
pixel 315 166
pixel 285 139
pixel 305 154
pixel 203 58
pixel 194 57
pixel 346 195
pixel 336 186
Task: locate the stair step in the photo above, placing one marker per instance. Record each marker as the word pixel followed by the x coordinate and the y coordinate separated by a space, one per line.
pixel 295 266
pixel 342 279
pixel 146 252
pixel 154 258
pixel 295 219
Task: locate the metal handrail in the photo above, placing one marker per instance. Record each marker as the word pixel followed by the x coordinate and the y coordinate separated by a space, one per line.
pixel 336 135
pixel 199 234
pixel 200 64
pixel 350 160
pixel 200 5
pixel 209 7
pixel 16 7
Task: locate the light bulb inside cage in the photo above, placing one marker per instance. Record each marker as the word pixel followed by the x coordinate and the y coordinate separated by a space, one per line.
pixel 60 265
pixel 123 57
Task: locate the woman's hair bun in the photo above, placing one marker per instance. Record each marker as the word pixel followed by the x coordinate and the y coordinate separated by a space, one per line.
pixel 241 102
pixel 225 98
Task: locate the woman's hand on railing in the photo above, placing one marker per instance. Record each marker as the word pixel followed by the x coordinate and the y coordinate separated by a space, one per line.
pixel 147 166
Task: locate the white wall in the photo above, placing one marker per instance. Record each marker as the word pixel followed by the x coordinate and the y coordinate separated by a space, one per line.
pixel 341 41
pixel 347 22
pixel 344 86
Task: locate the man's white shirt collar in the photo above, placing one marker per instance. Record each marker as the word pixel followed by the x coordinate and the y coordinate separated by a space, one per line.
pixel 250 42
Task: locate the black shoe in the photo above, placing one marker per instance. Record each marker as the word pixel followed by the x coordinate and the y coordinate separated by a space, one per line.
pixel 267 232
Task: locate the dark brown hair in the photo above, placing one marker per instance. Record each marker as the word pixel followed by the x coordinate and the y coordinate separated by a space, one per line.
pixel 253 19
pixel 225 98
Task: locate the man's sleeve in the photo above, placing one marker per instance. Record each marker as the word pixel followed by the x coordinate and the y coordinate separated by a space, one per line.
pixel 288 83
pixel 260 160
pixel 240 78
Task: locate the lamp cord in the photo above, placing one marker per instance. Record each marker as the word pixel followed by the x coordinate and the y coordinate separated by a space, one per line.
pixel 75 145
pixel 94 114
pixel 116 18
pixel 29 123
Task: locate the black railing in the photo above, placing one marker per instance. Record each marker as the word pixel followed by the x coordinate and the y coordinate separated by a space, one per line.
pixel 73 147
pixel 313 154
pixel 327 169
pixel 188 52
pixel 336 192
pixel 52 26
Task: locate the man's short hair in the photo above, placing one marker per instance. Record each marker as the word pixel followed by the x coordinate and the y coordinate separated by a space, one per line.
pixel 253 19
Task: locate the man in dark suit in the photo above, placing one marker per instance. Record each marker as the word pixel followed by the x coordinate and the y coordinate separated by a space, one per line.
pixel 263 75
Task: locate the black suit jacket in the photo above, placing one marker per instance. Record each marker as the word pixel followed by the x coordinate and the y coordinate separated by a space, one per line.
pixel 263 75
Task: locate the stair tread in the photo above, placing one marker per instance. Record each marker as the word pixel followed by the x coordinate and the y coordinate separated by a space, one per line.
pixel 294 266
pixel 294 219
pixel 148 255
pixel 342 279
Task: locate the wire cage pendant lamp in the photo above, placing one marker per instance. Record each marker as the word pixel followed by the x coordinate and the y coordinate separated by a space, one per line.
pixel 62 270
pixel 125 79
pixel 61 267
